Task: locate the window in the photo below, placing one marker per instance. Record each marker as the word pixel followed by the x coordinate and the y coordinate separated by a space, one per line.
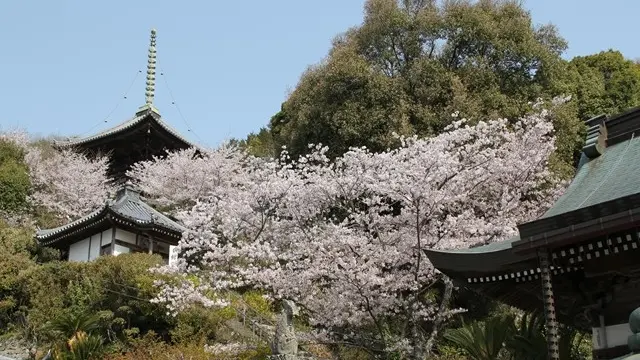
pixel 105 250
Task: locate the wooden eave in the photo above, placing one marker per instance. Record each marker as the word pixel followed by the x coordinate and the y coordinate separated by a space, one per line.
pixel 102 222
pixel 128 211
pixel 141 123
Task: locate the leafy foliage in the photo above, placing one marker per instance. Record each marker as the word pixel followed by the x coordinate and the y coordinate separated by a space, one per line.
pixel 413 63
pixel 346 238
pixel 117 288
pixel 605 83
pixel 508 336
pixel 483 340
pixel 71 325
pixel 14 177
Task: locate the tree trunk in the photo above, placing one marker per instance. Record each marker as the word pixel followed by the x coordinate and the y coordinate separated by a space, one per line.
pixel 439 319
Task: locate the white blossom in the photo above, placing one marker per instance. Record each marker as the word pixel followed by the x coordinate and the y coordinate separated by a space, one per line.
pixel 345 239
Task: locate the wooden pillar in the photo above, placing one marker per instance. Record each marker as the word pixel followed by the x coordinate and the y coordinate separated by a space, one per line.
pixel 113 240
pixel 549 306
pixel 150 245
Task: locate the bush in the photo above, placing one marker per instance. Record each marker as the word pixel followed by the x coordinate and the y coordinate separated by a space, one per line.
pixel 118 288
pixel 20 255
pixel 150 347
pixel 199 325
pixel 14 178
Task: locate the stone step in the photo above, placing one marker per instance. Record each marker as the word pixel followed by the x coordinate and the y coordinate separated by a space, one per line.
pixel 243 330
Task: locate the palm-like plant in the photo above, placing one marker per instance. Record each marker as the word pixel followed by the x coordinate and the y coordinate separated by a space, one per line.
pixel 78 330
pixel 71 324
pixel 81 347
pixel 522 340
pixel 483 340
pixel 528 341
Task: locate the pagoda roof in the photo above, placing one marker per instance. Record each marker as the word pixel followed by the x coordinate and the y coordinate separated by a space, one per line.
pixel 147 115
pixel 128 209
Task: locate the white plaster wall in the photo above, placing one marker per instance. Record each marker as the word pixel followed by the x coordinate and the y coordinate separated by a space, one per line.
pixel 94 250
pixel 612 336
pixel 125 236
pixel 79 251
pixel 106 237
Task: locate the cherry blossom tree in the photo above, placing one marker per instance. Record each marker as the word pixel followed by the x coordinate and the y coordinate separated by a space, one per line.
pixel 345 239
pixel 185 175
pixel 16 136
pixel 67 182
pixel 64 181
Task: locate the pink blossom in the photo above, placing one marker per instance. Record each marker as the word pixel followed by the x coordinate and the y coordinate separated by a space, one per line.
pixel 346 238
pixel 66 182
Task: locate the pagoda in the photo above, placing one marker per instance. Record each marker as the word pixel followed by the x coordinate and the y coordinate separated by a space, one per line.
pixel 140 138
pixel 126 223
pixel 580 261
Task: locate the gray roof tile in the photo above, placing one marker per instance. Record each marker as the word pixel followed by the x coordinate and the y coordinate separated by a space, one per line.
pixel 140 116
pixel 128 205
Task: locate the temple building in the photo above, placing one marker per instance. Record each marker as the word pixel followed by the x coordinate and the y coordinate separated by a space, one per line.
pixel 138 139
pixel 126 223
pixel 579 261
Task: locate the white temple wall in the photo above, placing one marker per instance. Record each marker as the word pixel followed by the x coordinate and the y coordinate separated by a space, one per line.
pixel 94 249
pixel 94 246
pixel 88 248
pixel 79 251
pixel 126 236
pixel 119 249
pixel 106 237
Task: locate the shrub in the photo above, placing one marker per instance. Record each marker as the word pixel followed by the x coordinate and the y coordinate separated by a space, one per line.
pixel 118 288
pixel 14 178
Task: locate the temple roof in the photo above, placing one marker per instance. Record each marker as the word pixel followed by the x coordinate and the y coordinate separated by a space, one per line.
pixel 607 183
pixel 613 175
pixel 128 209
pixel 147 115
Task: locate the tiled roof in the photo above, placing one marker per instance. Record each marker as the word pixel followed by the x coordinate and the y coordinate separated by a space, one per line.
pixel 612 175
pixel 47 233
pixel 127 207
pixel 146 114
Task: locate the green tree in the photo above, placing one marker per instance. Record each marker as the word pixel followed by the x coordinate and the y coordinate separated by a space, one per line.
pixel 259 144
pixel 20 254
pixel 605 83
pixel 14 178
pixel 412 63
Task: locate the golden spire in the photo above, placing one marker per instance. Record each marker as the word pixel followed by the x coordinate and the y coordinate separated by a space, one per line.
pixel 151 70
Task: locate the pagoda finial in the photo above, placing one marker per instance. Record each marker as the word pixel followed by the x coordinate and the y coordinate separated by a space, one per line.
pixel 151 70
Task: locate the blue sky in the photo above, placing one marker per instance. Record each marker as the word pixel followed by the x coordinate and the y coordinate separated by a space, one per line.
pixel 65 65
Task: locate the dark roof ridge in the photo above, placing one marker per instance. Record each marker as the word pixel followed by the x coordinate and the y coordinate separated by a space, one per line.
pixel 141 115
pixel 127 206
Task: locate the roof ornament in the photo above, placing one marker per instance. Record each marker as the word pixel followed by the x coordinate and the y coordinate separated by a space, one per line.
pixel 596 140
pixel 151 70
pixel 150 88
